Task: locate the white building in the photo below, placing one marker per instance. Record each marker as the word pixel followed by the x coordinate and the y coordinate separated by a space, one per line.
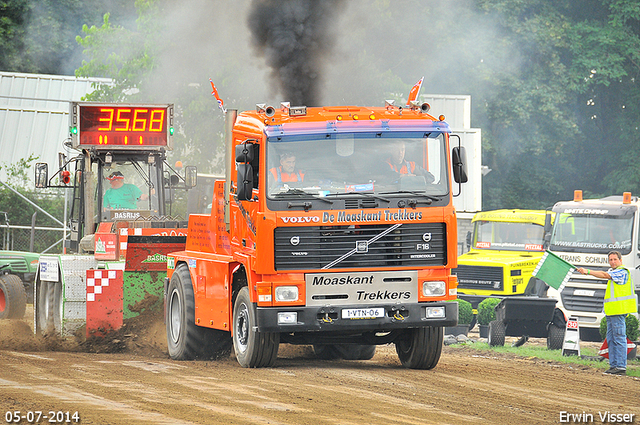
pixel 34 115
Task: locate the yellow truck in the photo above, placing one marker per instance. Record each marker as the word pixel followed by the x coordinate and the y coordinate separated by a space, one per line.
pixel 505 247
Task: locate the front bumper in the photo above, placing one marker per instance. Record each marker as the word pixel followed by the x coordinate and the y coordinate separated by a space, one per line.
pixel 329 318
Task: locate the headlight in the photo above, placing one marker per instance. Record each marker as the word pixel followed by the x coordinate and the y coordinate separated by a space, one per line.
pixel 433 288
pixel 287 293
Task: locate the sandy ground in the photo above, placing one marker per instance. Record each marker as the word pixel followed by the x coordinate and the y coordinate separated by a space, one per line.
pixel 131 380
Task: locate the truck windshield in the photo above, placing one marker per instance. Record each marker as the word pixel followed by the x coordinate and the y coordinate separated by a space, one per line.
pixel 508 236
pixel 129 185
pixel 341 163
pixel 592 233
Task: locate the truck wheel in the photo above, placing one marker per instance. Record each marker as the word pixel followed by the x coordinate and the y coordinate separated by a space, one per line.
pixel 49 307
pixel 555 337
pixel 13 298
pixel 252 348
pixel 356 352
pixel 365 352
pixel 326 352
pixel 185 339
pixel 420 348
pixel 496 333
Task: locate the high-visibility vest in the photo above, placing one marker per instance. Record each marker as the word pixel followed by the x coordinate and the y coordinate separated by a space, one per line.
pixel 620 299
pixel 282 177
pixel 406 166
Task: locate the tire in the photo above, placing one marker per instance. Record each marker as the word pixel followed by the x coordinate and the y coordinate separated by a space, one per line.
pixel 326 352
pixel 185 339
pixel 496 333
pixel 252 348
pixel 13 297
pixel 420 348
pixel 555 337
pixel 344 351
pixel 44 320
pixel 366 352
pixel 49 307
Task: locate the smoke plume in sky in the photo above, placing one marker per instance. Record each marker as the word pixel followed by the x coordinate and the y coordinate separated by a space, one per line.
pixel 295 37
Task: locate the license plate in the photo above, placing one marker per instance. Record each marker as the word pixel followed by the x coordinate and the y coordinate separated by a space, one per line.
pixel 362 313
pixel 584 293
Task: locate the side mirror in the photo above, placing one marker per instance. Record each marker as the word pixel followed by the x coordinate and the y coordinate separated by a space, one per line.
pixel 548 227
pixel 190 176
pixel 42 175
pixel 244 152
pixel 245 182
pixel 469 240
pixel 459 162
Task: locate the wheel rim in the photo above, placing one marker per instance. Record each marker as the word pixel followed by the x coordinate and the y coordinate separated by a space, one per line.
pixel 242 328
pixel 175 319
pixel 3 301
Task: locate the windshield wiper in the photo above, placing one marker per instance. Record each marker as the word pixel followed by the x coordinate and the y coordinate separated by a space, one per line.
pixel 413 192
pixel 296 191
pixel 365 194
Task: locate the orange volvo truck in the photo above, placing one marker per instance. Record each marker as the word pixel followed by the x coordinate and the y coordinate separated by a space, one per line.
pixel 334 227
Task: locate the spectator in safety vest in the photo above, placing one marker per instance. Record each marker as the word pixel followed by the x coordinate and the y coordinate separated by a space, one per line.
pixel 122 195
pixel 286 172
pixel 619 300
pixel 400 165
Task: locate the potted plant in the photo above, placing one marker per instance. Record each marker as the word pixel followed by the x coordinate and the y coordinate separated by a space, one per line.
pixel 633 332
pixel 465 315
pixel 486 314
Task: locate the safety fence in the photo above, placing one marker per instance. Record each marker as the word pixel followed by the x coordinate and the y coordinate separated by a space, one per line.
pixel 32 239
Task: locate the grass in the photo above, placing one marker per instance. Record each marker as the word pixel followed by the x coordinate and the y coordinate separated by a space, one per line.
pixel 542 353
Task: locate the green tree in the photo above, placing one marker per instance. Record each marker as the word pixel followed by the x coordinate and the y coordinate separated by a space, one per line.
pixel 12 21
pixel 38 36
pixel 16 211
pixel 130 58
pixel 569 106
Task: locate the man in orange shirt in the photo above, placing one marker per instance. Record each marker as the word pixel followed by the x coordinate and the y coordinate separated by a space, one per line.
pixel 400 165
pixel 286 172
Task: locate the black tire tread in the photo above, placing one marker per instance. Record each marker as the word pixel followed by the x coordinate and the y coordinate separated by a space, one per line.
pixel 196 342
pixel 555 337
pixel 262 351
pixel 15 297
pixel 421 347
pixel 496 333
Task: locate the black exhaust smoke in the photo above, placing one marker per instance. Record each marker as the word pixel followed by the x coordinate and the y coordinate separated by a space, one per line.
pixel 295 38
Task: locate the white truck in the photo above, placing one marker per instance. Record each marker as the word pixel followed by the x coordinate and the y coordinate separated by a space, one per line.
pixel 584 232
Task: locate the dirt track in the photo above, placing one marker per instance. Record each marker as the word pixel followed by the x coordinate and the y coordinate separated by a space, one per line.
pixel 143 386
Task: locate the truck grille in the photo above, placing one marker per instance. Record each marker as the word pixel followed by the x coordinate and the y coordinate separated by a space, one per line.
pixel 15 265
pixel 591 304
pixel 479 277
pixel 336 247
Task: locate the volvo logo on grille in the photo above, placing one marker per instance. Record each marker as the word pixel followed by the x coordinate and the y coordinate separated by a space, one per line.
pixel 362 246
pixel 426 237
pixel 294 240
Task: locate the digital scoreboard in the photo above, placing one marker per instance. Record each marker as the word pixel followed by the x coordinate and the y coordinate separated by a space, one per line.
pixel 120 126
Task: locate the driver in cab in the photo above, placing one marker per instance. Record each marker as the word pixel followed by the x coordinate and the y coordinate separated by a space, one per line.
pixel 287 171
pixel 399 165
pixel 122 195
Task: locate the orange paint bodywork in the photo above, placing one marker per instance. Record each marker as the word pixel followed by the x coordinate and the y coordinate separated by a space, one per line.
pixel 215 249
